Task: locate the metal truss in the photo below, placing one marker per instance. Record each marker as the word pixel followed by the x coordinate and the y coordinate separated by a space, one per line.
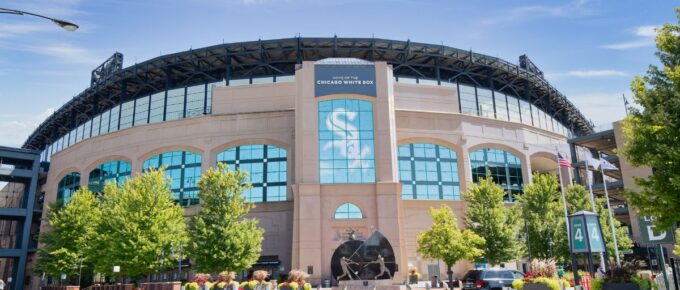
pixel 266 58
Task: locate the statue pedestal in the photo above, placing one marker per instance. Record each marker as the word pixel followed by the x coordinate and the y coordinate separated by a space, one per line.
pixel 384 284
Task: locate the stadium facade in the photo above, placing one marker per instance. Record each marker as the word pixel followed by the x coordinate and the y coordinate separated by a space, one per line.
pixel 337 134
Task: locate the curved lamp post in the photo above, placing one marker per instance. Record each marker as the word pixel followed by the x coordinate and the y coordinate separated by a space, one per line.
pixel 63 24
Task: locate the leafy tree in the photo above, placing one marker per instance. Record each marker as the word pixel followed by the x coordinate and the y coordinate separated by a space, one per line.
pixel 141 228
pixel 543 213
pixel 445 241
pixel 653 132
pixel 221 235
pixel 68 243
pixel 487 216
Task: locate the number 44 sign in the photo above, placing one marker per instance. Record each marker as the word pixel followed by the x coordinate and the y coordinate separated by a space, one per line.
pixel 585 233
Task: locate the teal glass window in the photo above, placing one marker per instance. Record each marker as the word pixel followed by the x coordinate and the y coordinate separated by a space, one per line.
pixel 346 148
pixel 504 168
pixel 428 171
pixel 67 186
pixel 184 169
pixel 348 211
pixel 113 171
pixel 267 168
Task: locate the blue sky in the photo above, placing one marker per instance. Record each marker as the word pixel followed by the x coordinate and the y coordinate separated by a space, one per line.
pixel 590 50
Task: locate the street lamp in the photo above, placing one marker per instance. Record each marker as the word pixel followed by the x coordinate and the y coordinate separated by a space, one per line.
pixel 63 24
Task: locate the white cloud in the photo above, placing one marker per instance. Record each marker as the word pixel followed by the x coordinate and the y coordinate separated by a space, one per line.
pixel 587 74
pixel 645 37
pixel 68 53
pixel 601 107
pixel 572 9
pixel 15 128
pixel 12 29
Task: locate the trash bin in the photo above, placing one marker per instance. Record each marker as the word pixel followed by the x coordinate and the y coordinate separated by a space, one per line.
pixel 326 283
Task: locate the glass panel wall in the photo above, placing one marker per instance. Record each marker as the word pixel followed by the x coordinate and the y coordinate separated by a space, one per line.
pixel 485 101
pixel 86 129
pixel 175 105
pixel 525 108
pixel 346 150
pixel 113 171
pixel 513 109
pixel 428 171
pixel 195 100
pixel 126 114
pixel 501 106
pixel 67 186
pixel 113 120
pixel 468 101
pixel 157 107
pixel 184 169
pixel 267 166
pixel 503 167
pixel 105 123
pixel 141 111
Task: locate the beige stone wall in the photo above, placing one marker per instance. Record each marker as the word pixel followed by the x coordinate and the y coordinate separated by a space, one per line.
pixel 302 231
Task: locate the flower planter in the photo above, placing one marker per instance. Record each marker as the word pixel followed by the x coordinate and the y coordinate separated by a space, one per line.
pixel 536 286
pixel 619 286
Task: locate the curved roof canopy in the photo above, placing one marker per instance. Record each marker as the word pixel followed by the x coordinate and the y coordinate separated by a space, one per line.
pixel 279 57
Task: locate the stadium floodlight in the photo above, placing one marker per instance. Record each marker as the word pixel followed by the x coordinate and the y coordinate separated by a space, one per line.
pixel 63 24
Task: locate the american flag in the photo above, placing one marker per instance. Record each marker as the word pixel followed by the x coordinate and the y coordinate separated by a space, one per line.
pixel 563 162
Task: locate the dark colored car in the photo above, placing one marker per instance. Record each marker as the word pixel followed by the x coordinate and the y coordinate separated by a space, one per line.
pixel 490 279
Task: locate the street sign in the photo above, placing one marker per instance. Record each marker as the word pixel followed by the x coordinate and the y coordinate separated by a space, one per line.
pixel 651 235
pixel 585 233
pixel 578 240
pixel 595 236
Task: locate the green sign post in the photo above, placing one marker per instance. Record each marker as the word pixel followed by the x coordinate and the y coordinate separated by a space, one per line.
pixel 585 236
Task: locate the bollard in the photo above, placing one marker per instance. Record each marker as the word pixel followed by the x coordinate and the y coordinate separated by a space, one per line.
pixel 427 286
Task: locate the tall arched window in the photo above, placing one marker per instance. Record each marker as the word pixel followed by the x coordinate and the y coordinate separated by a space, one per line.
pixel 68 185
pixel 267 166
pixel 428 171
pixel 184 168
pixel 112 171
pixel 348 211
pixel 504 167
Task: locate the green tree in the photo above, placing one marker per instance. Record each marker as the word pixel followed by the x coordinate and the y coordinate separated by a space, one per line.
pixel 653 132
pixel 73 228
pixel 543 213
pixel 487 216
pixel 445 241
pixel 221 235
pixel 142 226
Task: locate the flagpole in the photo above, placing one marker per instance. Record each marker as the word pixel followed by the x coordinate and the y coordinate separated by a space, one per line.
pixel 609 210
pixel 564 198
pixel 590 186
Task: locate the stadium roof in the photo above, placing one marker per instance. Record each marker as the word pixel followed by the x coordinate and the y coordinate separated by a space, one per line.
pixel 278 57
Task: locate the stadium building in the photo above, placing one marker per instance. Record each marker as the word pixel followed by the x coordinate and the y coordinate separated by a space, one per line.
pixel 337 134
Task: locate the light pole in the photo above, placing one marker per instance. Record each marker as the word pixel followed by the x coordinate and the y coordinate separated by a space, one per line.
pixel 63 24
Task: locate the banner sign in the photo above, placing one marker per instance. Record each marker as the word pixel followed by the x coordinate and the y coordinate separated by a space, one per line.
pixel 333 79
pixel 651 235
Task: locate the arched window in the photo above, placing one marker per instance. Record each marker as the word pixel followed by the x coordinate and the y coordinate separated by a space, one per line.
pixel 504 167
pixel 184 168
pixel 428 171
pixel 348 211
pixel 68 185
pixel 346 153
pixel 112 171
pixel 267 166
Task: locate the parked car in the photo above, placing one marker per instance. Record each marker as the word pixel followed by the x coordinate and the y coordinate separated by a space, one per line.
pixel 490 279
